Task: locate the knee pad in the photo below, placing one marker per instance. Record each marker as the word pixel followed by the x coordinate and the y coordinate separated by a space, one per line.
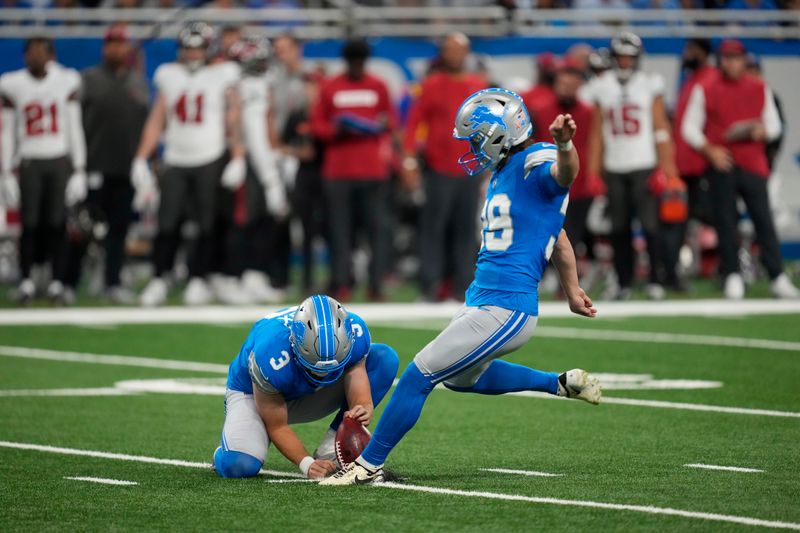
pixel 229 463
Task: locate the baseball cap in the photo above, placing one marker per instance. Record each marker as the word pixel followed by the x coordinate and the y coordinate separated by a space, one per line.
pixel 731 47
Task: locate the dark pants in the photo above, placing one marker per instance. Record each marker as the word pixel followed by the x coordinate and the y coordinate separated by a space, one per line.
pixel 112 203
pixel 187 192
pixel 629 197
pixel 42 183
pixel 575 223
pixel 726 188
pixel 448 233
pixel 367 201
pixel 308 203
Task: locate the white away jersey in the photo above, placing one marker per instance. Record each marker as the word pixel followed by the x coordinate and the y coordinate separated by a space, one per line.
pixel 40 109
pixel 196 102
pixel 628 140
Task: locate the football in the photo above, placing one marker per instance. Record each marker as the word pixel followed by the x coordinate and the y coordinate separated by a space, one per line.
pixel 351 439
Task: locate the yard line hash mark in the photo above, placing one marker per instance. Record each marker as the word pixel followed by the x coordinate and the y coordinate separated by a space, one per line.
pixel 727 468
pixel 104 481
pixel 520 472
pixel 745 520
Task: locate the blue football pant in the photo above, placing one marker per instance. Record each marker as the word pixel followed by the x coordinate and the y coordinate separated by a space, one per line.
pixel 463 357
pixel 244 445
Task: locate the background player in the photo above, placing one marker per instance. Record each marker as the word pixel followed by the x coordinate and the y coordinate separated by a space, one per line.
pixel 197 109
pixel 522 218
pixel 630 138
pixel 43 135
pixel 298 365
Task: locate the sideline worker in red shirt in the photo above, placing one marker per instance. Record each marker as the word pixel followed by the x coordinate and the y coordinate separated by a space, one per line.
pixel 568 80
pixel 447 219
pixel 542 93
pixel 729 120
pixel 353 118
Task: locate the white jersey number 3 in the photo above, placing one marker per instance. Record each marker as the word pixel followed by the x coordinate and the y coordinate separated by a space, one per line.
pixel 498 228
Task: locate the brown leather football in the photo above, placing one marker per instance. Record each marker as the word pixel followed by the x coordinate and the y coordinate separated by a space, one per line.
pixel 351 439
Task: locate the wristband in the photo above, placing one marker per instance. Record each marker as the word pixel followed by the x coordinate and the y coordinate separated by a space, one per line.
pixel 410 163
pixel 305 464
pixel 565 147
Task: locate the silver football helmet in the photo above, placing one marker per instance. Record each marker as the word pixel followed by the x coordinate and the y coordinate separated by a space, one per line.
pixel 492 120
pixel 322 338
pixel 626 44
pixel 253 53
pixel 195 35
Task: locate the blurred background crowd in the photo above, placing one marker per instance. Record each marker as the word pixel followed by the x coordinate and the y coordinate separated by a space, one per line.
pixel 243 173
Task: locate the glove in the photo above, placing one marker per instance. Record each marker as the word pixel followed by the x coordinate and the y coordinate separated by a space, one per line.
pixel 141 175
pixel 9 191
pixel 76 189
pixel 234 174
pixel 277 206
pixel 146 198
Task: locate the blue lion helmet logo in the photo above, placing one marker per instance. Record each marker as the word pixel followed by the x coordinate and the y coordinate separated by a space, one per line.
pixel 483 115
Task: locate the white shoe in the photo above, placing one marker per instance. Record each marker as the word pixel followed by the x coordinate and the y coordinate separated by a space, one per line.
pixel 783 288
pixel 327 448
pixel 354 474
pixel 25 291
pixel 120 295
pixel 257 286
pixel 581 385
pixel 655 292
pixel 155 293
pixel 197 292
pixel 227 290
pixel 734 287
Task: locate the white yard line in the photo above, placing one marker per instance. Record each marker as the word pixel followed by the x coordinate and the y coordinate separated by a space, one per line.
pixel 726 468
pixel 98 391
pixel 379 312
pixel 745 520
pixel 450 492
pixel 111 359
pixel 292 480
pixel 125 457
pixel 533 473
pixel 104 481
pixel 125 360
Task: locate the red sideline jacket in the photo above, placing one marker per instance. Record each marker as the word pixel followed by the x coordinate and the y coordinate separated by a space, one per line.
pixel 353 157
pixel 440 97
pixel 543 114
pixel 690 162
pixel 728 102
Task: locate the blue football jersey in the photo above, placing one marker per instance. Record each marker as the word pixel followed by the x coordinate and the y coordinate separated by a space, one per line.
pixel 266 357
pixel 522 217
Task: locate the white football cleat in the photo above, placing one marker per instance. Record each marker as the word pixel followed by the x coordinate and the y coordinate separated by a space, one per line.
pixel 197 292
pixel 734 286
pixel 155 293
pixel 655 292
pixel 354 474
pixel 783 288
pixel 257 286
pixel 581 385
pixel 327 448
pixel 227 290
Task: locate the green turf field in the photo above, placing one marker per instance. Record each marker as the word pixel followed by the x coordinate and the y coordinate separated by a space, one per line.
pixel 611 454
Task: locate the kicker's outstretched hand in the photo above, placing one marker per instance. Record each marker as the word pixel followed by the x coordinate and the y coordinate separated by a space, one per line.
pixel 563 128
pixel 581 304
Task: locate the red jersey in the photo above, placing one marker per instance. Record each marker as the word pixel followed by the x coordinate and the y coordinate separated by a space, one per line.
pixel 731 101
pixel 544 115
pixel 539 96
pixel 363 102
pixel 440 97
pixel 690 162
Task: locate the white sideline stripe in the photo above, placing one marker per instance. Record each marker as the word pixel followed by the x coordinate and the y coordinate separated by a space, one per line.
pixel 111 359
pixel 104 481
pixel 520 472
pixel 292 480
pixel 745 520
pixel 728 468
pixel 436 490
pixel 125 360
pixel 379 312
pixel 125 457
